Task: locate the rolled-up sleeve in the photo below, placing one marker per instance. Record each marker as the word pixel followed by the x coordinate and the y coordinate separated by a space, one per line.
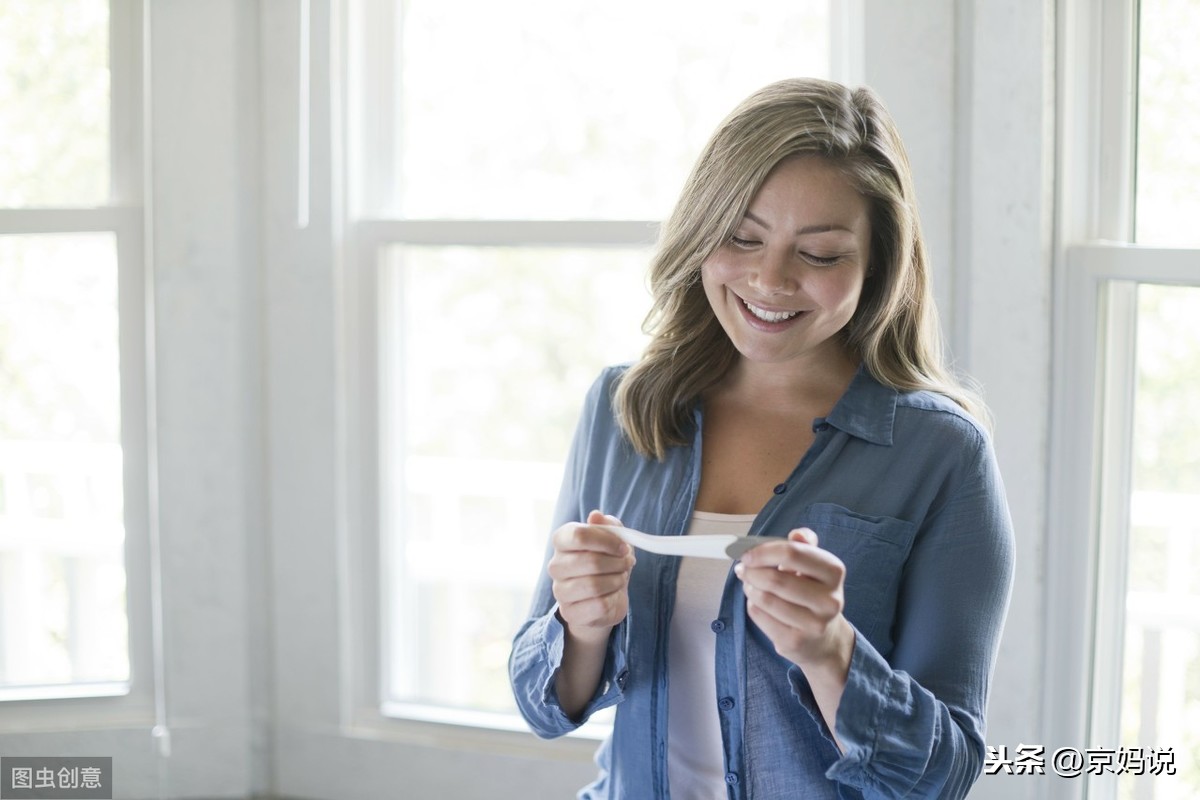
pixel 538 645
pixel 533 669
pixel 913 724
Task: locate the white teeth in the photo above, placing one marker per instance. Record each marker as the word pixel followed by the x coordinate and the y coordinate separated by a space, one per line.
pixel 770 316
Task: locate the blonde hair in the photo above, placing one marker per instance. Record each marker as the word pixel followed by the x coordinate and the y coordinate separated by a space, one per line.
pixel 894 329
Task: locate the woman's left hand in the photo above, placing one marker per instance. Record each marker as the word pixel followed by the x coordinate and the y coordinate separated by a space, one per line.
pixel 794 593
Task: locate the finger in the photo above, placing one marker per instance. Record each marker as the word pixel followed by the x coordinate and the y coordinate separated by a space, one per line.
pixel 578 536
pixel 770 553
pixel 575 563
pixel 598 518
pixel 777 617
pixel 806 535
pixel 587 587
pixel 766 586
pixel 607 609
pixel 797 557
pixel 791 637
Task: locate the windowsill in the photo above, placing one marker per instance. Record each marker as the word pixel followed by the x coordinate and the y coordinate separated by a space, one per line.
pixel 481 721
pixel 63 691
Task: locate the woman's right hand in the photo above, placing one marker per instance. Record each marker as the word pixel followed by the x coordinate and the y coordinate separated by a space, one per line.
pixel 590 570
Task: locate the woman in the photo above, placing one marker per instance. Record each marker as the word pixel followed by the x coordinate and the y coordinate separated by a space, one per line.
pixel 793 390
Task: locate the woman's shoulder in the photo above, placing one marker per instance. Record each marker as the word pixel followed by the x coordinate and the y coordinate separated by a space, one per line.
pixel 610 375
pixel 598 403
pixel 938 437
pixel 605 384
pixel 909 414
pixel 925 413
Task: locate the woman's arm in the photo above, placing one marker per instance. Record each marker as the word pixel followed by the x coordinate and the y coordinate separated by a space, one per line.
pixel 590 569
pixel 913 724
pixel 579 674
pixel 557 683
pixel 566 654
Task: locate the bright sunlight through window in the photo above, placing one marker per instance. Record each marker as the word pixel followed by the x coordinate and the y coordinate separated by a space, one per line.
pixel 63 623
pixel 553 113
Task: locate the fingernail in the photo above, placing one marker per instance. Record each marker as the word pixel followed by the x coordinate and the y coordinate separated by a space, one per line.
pixel 738 569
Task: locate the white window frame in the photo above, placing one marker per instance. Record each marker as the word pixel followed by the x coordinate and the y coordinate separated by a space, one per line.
pixel 38 711
pixel 366 237
pixel 1095 316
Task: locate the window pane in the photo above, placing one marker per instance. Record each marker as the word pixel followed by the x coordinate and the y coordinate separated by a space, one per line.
pixel 1161 701
pixel 54 103
pixel 62 577
pixel 580 110
pixel 1168 160
pixel 484 371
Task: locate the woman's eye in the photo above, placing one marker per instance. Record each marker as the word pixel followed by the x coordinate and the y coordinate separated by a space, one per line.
pixel 819 260
pixel 738 241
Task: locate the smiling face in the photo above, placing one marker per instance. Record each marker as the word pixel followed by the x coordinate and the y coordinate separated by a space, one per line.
pixel 790 277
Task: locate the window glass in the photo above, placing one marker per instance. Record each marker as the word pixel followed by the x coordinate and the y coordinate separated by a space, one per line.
pixel 54 103
pixel 62 590
pixel 1160 705
pixel 484 372
pixel 1161 699
pixel 552 110
pixel 1168 117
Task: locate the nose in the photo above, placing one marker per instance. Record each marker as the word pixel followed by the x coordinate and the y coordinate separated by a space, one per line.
pixel 774 274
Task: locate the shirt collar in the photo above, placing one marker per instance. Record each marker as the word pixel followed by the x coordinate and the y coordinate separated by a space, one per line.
pixel 867 409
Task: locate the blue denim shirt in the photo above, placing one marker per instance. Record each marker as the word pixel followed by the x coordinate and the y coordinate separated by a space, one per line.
pixel 904 489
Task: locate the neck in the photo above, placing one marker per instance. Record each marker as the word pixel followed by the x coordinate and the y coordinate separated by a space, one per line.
pixel 804 385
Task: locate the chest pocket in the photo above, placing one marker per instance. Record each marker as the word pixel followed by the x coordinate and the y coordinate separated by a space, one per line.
pixel 874 550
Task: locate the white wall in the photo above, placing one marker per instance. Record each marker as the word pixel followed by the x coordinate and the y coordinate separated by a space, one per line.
pixel 199 731
pixel 971 86
pixel 205 267
pixel 249 332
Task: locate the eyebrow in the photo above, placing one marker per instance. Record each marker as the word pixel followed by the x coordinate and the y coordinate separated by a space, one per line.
pixel 807 229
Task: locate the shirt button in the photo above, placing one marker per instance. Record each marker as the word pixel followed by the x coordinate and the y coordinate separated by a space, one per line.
pixel 781 488
pixel 717 626
pixel 731 778
pixel 726 703
pixel 622 679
